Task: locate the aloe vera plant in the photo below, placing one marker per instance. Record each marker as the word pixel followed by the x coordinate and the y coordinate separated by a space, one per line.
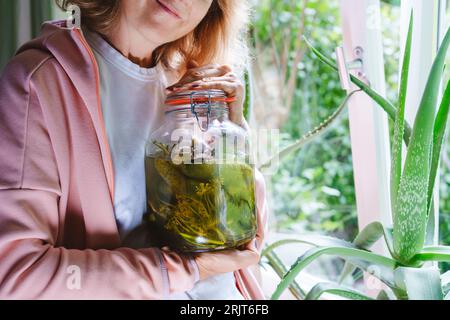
pixel 404 271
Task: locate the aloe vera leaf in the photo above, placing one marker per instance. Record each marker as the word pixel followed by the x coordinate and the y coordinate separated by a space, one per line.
pixel 387 106
pixel 311 240
pixel 371 233
pixel 399 125
pixel 431 225
pixel 385 274
pixel 411 215
pixel 433 253
pixel 347 270
pixel 445 280
pixel 248 102
pixel 440 126
pixel 309 136
pixel 343 252
pixel 419 283
pixel 326 287
pixel 385 295
pixel 280 269
pixel 364 240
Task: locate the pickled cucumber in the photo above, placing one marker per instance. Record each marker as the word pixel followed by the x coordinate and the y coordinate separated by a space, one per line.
pixel 202 171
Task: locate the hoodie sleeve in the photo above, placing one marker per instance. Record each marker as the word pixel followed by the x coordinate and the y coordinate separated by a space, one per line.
pixel 32 266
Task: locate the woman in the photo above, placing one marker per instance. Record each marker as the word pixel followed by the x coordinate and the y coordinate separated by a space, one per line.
pixel 75 109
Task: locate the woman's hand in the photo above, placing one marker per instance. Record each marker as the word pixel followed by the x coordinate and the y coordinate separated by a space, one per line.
pixel 214 76
pixel 223 261
pixel 213 263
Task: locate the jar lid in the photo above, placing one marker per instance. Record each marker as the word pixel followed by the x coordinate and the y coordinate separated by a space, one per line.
pixel 197 100
pixel 198 97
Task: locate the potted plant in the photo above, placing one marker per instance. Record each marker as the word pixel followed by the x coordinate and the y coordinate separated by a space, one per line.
pixel 404 271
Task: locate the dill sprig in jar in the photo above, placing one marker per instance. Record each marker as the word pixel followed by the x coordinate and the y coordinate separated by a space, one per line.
pixel 200 176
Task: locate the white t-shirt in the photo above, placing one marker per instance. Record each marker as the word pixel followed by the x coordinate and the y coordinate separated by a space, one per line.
pixel 132 99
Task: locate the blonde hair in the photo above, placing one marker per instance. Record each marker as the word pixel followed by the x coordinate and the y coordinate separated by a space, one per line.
pixel 219 38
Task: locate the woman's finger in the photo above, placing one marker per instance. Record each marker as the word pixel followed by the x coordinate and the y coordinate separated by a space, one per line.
pixel 230 88
pixel 206 66
pixel 192 64
pixel 227 77
pixel 230 77
pixel 212 72
pixel 253 245
pixel 231 259
pixel 200 73
pixel 198 83
pixel 245 258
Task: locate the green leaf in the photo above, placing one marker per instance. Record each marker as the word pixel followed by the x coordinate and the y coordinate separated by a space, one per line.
pixel 371 234
pixel 248 102
pixel 319 289
pixel 392 2
pixel 445 280
pixel 431 225
pixel 278 266
pixel 280 269
pixel 399 125
pixel 410 218
pixel 387 106
pixel 355 255
pixel 385 295
pixel 312 240
pixel 382 295
pixel 419 283
pixel 347 270
pixel 382 272
pixel 364 240
pixel 440 126
pixel 310 136
pixel 433 253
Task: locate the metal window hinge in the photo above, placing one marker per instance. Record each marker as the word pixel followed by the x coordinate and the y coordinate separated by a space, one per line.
pixel 355 66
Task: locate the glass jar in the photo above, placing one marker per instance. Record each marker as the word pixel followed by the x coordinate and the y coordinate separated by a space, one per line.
pixel 200 176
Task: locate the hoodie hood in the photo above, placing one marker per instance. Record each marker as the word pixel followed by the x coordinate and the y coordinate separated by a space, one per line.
pixel 68 47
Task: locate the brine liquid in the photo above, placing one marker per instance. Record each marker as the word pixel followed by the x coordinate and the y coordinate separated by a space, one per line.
pixel 200 207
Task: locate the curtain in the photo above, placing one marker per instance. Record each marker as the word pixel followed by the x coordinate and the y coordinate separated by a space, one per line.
pixel 8 29
pixel 20 17
pixel 41 10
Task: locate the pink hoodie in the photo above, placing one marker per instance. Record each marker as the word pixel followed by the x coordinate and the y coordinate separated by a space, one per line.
pixel 57 223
